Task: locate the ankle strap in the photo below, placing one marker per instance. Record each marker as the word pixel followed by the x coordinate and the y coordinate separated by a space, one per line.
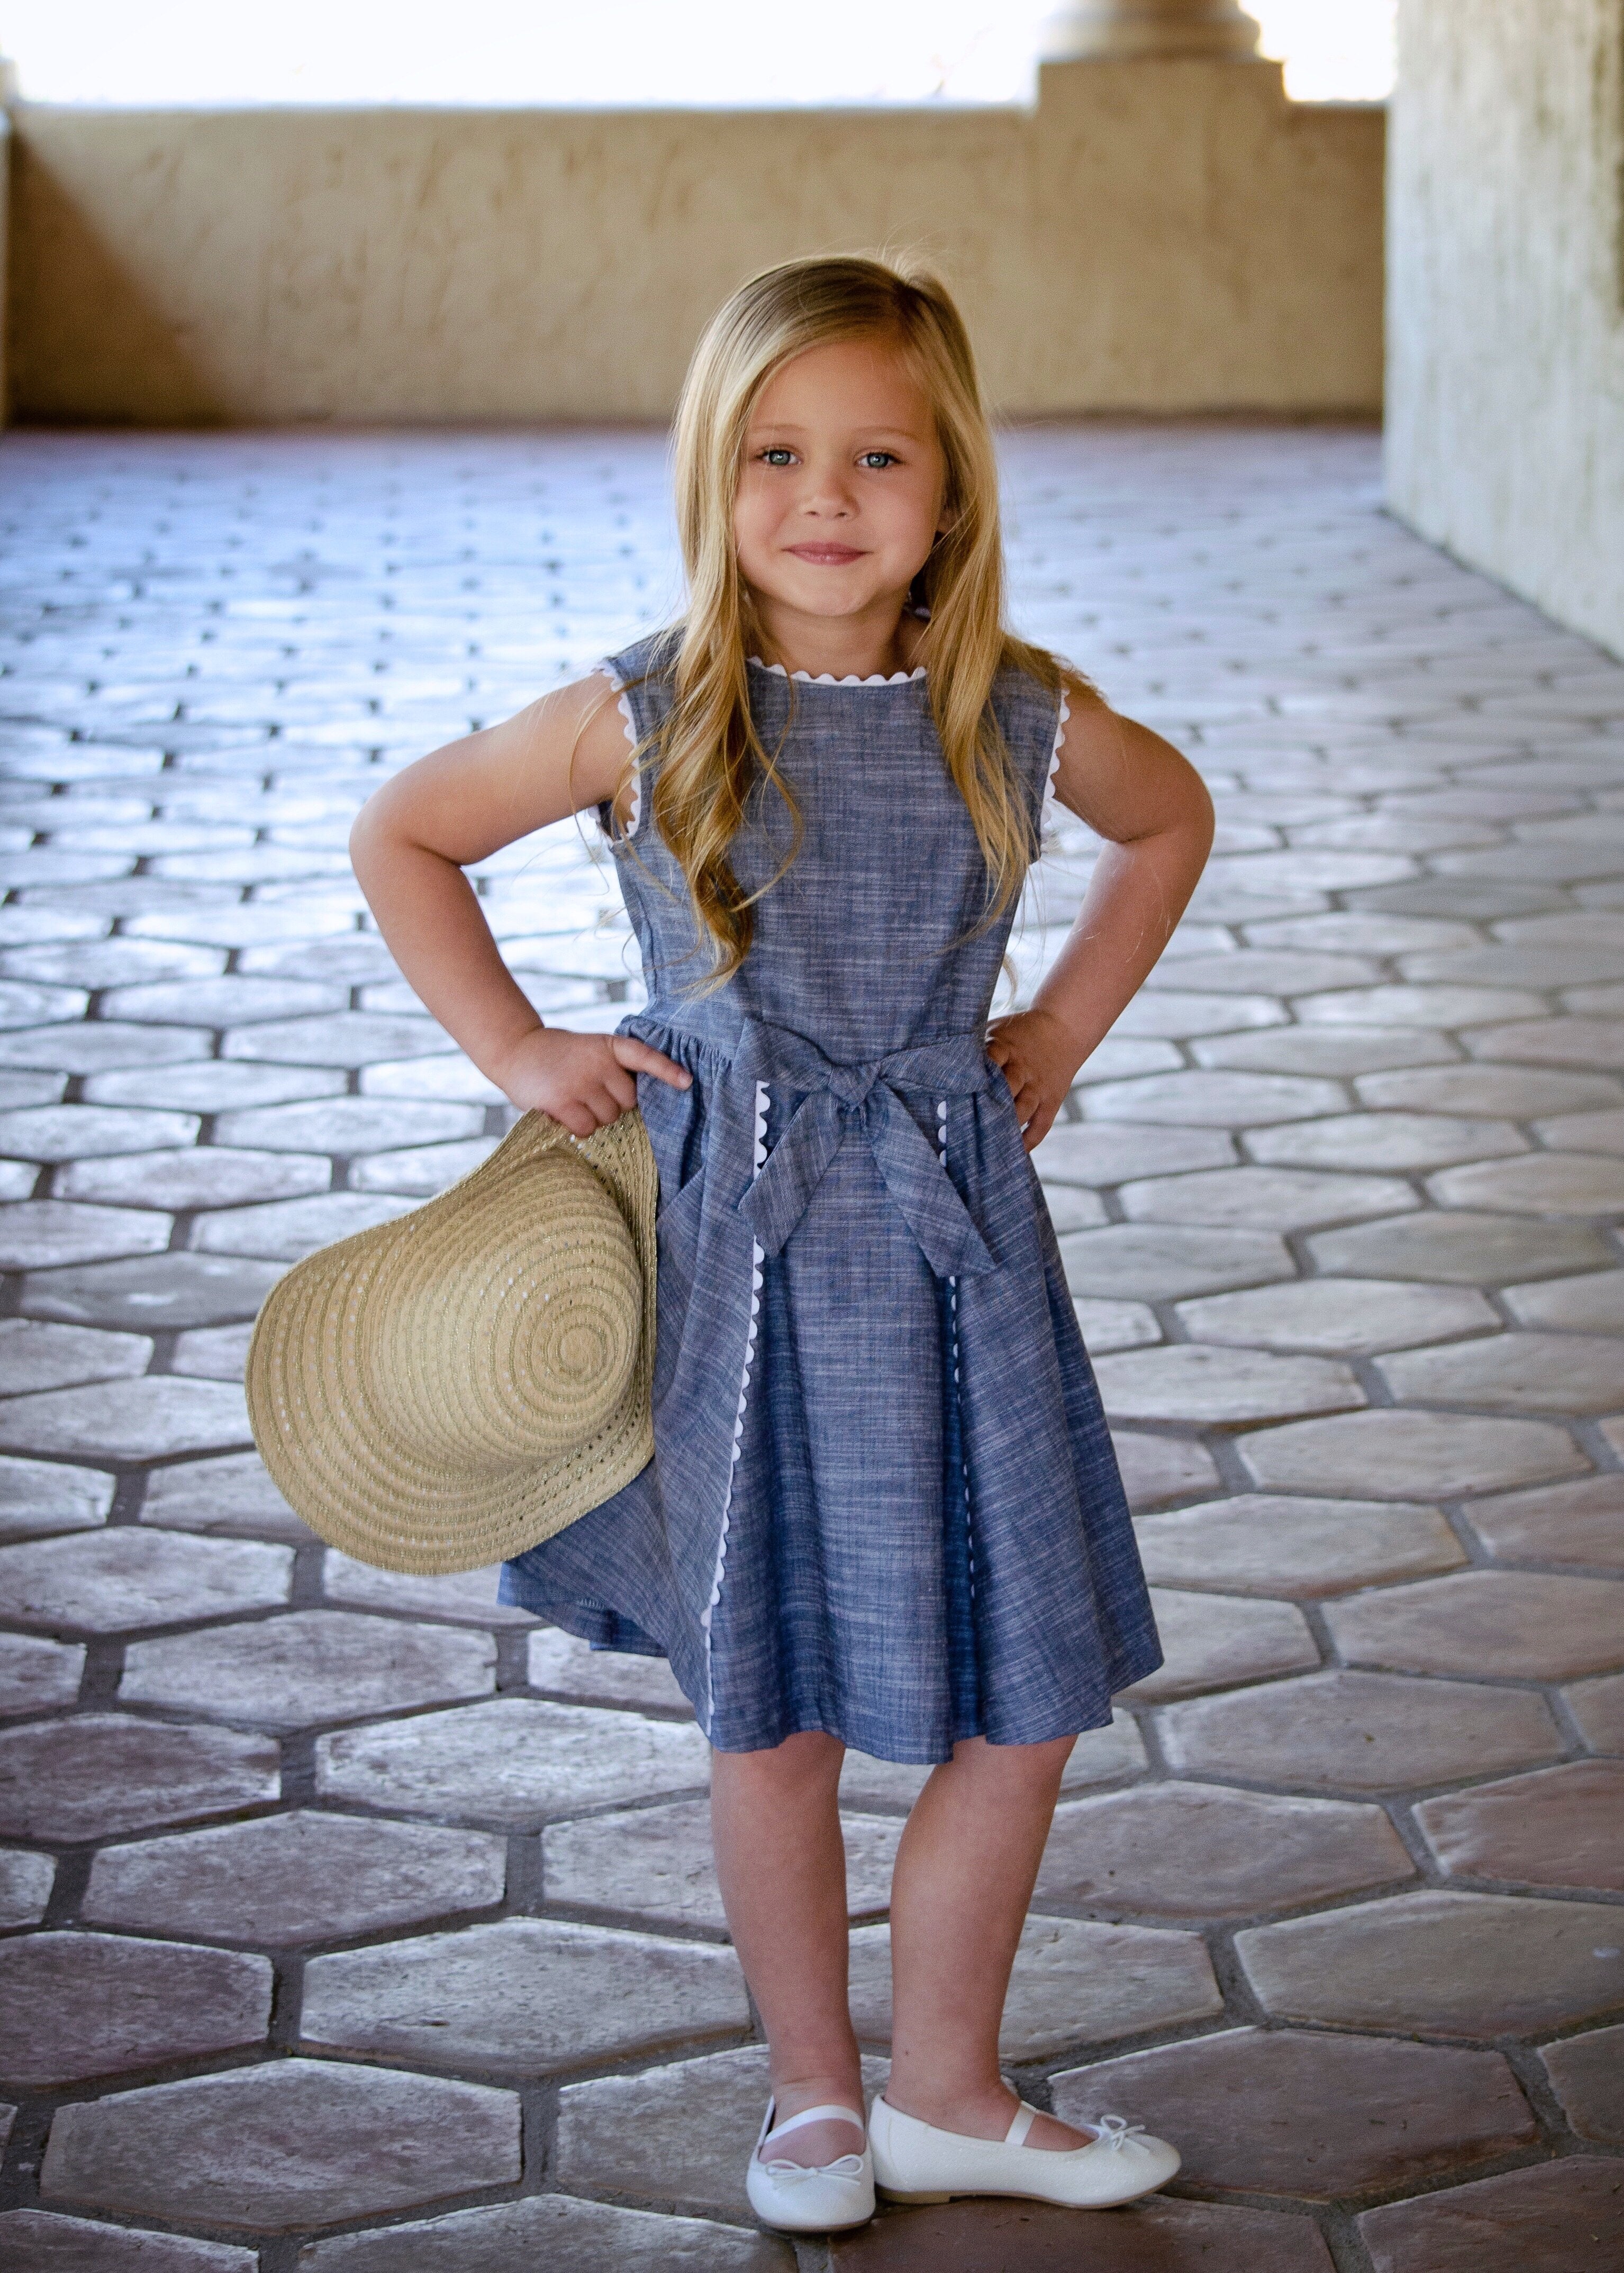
pixel 815 2115
pixel 1024 2118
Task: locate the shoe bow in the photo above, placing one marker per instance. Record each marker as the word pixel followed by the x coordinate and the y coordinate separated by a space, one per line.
pixel 1115 2132
pixel 844 2166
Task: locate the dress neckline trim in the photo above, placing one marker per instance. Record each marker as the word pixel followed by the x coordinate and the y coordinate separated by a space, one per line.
pixel 827 679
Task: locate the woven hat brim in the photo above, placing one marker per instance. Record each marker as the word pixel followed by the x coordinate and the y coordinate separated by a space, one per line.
pixel 346 1477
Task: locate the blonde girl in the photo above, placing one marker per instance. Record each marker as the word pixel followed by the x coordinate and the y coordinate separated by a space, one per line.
pixel 882 1510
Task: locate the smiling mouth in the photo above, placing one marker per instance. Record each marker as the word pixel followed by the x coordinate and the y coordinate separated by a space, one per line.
pixel 826 556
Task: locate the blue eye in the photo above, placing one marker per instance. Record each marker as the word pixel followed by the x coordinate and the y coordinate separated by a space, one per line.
pixel 878 458
pixel 778 457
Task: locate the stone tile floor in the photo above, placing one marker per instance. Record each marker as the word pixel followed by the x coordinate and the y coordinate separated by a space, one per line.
pixel 355 1923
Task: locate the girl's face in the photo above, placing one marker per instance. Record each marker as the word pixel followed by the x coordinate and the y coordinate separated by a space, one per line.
pixel 840 497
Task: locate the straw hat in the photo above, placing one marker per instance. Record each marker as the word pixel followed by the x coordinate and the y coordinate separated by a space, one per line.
pixel 450 1388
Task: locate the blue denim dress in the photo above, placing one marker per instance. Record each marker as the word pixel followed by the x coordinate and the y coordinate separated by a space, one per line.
pixel 882 1500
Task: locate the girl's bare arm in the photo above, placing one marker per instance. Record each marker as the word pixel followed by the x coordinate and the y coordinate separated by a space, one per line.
pixel 1151 806
pixel 410 845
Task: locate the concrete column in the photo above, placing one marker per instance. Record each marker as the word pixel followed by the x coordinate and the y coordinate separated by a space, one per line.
pixel 1112 31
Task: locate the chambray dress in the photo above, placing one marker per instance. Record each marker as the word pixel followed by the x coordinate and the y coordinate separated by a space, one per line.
pixel 882 1500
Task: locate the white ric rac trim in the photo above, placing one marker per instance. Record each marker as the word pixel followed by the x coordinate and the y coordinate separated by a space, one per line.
pixel 762 1098
pixel 827 679
pixel 625 709
pixel 953 1314
pixel 1046 821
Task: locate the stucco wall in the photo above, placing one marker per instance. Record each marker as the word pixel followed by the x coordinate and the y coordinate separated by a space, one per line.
pixel 1506 294
pixel 1164 237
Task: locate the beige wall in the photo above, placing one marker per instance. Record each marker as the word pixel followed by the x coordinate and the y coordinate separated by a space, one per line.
pixel 1506 295
pixel 1165 236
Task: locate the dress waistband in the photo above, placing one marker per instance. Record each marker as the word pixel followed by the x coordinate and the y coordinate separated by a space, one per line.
pixel 862 1096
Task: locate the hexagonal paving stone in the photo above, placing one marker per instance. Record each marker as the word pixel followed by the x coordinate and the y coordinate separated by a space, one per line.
pixel 1456 1965
pixel 233 1497
pixel 212 1353
pixel 1154 1263
pixel 73 2006
pixel 287 1229
pixel 230 1000
pixel 679 2133
pixel 1598 1709
pixel 1554 1041
pixel 151 1419
pixel 1526 1625
pixel 25 1882
pixel 1409 1455
pixel 1155 1468
pixel 1583 1132
pixel 36 1674
pixel 1275 1199
pixel 467 1597
pixel 1340 1316
pixel 310 1666
pixel 1220 1388
pixel 1343 1731
pixel 343 1038
pixel 555 2230
pixel 1075 1981
pixel 351 1126
pixel 1256 1544
pixel 1158 2236
pixel 1211 1641
pixel 1099 1756
pixel 514 1761
pixel 1100 1156
pixel 1401 1141
pixel 96 1047
pixel 1463 1248
pixel 1587 2074
pixel 162 1291
pixel 209 1175
pixel 51 2243
pixel 111 1581
pixel 1199 1850
pixel 1555 2217
pixel 1593 1303
pixel 1336 1052
pixel 1563 1826
pixel 1581 1522
pixel 522 1997
pixel 565 1666
pixel 100 1773
pixel 1283 2111
pixel 294 2143
pixel 36 1234
pixel 1515 1372
pixel 656 1863
pixel 74 1132
pixel 1219 1100
pixel 1543 1183
pixel 37 1497
pixel 300 1877
pixel 215 1085
pixel 1115 1325
pixel 35 1356
pixel 1516 1093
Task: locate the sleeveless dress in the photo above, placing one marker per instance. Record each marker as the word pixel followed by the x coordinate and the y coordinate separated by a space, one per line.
pixel 884 1501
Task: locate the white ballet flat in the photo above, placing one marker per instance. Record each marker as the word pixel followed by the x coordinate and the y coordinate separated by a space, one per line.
pixel 913 2161
pixel 810 2197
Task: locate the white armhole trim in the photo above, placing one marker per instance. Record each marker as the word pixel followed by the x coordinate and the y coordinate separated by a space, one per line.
pixel 763 1098
pixel 953 1314
pixel 1046 820
pixel 630 729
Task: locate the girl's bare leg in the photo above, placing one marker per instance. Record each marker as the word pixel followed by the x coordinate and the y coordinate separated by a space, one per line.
pixel 965 1872
pixel 781 1861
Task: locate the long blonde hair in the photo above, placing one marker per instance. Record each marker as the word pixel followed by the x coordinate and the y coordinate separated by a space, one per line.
pixel 710 756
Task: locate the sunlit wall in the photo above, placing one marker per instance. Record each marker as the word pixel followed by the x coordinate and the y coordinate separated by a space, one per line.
pixel 612 52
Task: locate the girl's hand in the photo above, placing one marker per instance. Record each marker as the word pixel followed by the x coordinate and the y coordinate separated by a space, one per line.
pixel 1039 1060
pixel 585 1081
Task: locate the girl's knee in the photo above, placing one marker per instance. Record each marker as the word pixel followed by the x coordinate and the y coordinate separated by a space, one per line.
pixel 811 1758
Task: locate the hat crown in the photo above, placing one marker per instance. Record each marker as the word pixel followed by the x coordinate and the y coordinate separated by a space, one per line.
pixel 510 1329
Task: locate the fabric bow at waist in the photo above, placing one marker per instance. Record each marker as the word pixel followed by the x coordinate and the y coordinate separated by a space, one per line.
pixel 840 1101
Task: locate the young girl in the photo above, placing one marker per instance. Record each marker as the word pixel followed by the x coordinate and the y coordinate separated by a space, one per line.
pixel 883 1510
